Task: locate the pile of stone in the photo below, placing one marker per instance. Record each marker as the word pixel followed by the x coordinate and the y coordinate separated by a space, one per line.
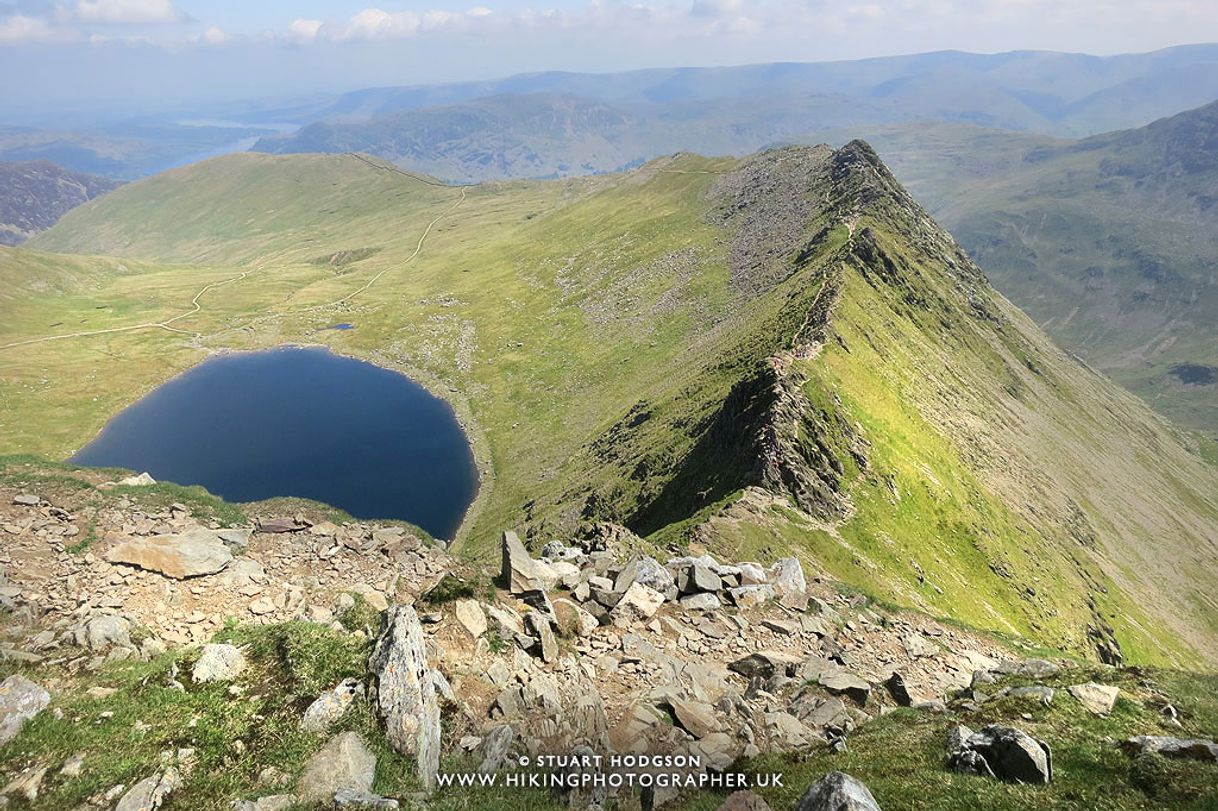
pixel 617 592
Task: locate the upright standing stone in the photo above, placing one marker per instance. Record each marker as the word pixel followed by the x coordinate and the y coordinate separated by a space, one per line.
pixel 406 691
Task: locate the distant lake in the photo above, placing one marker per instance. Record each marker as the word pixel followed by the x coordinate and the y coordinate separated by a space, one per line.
pixel 301 422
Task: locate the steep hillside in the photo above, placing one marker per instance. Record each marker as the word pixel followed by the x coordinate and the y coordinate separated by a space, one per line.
pixel 33 196
pixel 780 354
pixel 1110 243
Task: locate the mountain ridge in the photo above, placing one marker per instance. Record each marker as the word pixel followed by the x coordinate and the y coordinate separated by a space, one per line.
pixel 778 353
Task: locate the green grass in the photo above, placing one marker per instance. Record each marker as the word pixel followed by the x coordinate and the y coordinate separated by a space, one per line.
pixel 901 756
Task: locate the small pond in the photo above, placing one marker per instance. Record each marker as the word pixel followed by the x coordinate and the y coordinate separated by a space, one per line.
pixel 301 422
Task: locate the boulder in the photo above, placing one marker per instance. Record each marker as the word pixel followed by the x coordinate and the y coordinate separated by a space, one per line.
pixel 1175 748
pixel 150 793
pixel 20 701
pixel 697 576
pixel 26 500
pixel 519 572
pixel 765 664
pixel 273 802
pixel 705 601
pixel 331 706
pixel 639 602
pixel 194 553
pixel 471 616
pixel 218 662
pixel 345 762
pixel 898 690
pixel 140 480
pixel 103 632
pixel 750 596
pixel 845 683
pixel 695 717
pixel 543 630
pixel 277 526
pixel 650 573
pixel 1009 753
pixel 1097 698
pixel 787 577
pixel 837 792
pixel 406 692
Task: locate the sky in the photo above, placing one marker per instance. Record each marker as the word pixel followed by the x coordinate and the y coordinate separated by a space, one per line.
pixel 146 54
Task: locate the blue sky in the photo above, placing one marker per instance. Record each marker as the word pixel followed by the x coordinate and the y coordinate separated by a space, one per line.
pixel 68 53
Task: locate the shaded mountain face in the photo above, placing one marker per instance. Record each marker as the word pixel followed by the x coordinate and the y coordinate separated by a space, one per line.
pixel 33 196
pixel 777 355
pixel 1110 243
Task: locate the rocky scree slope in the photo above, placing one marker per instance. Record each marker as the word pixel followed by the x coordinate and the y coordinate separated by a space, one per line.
pixel 772 356
pixel 325 691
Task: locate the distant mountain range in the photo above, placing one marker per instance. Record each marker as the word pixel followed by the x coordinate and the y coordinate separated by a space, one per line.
pixel 554 124
pixel 34 195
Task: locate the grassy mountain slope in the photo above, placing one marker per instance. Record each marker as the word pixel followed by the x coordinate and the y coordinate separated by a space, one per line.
pixel 778 353
pixel 1110 243
pixel 34 195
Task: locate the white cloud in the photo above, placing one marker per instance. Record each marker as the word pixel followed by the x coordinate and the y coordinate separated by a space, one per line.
pixel 304 30
pixel 18 28
pixel 128 12
pixel 215 36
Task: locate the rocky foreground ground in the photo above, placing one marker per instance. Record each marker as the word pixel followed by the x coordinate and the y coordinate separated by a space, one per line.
pixel 591 648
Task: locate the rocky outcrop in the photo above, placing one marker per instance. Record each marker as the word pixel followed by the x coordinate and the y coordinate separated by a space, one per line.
pixel 406 691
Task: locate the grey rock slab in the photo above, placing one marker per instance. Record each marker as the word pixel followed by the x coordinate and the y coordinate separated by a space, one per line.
pixel 1012 754
pixel 345 762
pixel 150 793
pixel 20 701
pixel 1176 748
pixel 197 552
pixel 328 708
pixel 1097 698
pixel 837 791
pixel 406 692
pixel 218 662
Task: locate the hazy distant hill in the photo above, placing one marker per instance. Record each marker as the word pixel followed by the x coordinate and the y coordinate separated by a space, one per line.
pixel 33 196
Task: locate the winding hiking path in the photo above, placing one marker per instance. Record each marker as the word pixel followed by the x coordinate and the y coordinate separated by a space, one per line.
pixel 197 306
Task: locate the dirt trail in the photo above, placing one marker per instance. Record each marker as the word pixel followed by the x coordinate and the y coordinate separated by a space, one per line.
pixel 197 307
